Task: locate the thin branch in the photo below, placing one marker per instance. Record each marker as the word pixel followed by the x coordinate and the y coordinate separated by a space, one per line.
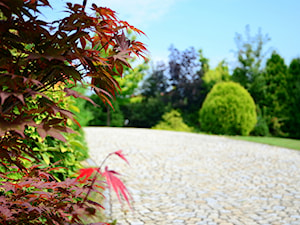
pixel 95 177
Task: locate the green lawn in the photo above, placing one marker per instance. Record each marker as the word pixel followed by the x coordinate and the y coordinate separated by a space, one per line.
pixel 281 142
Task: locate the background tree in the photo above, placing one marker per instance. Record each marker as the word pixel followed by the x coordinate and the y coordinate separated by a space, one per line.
pixel 186 93
pixel 250 55
pixel 146 112
pixel 276 100
pixel 184 79
pixel 103 115
pixel 213 76
pixel 293 123
pixel 204 62
pixel 130 83
pixel 156 84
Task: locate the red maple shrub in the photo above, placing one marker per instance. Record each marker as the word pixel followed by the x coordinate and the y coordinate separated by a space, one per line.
pixel 37 198
pixel 35 56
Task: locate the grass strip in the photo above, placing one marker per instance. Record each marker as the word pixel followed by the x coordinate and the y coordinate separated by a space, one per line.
pixel 276 141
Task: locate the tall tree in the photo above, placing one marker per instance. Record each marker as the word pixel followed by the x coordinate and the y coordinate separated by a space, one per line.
pixel 293 122
pixel 219 74
pixel 250 55
pixel 132 77
pixel 130 82
pixel 276 101
pixel 185 80
pixel 204 63
pixel 104 115
pixel 156 84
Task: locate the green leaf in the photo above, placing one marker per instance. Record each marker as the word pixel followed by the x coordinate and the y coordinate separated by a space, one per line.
pixel 77 144
pixel 46 158
pixel 64 149
pixel 74 108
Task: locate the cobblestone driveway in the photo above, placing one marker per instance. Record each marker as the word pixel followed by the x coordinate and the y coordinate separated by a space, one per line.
pixel 181 178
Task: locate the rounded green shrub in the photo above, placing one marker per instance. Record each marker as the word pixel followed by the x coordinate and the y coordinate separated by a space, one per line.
pixel 228 109
pixel 172 121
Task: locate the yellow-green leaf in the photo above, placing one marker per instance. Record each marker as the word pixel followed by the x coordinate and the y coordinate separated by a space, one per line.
pixel 46 158
pixel 63 149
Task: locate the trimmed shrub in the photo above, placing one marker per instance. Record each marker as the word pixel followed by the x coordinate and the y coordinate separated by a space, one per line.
pixel 173 121
pixel 228 109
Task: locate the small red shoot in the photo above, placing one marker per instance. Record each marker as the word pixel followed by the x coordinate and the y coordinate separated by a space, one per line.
pixel 121 155
pixel 85 173
pixel 114 182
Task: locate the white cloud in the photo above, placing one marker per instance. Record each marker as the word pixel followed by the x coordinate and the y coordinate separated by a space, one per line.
pixel 139 12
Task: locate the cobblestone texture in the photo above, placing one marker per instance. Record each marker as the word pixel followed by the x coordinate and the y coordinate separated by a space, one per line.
pixel 182 178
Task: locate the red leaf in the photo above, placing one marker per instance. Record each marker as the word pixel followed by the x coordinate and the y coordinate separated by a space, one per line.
pixel 126 24
pixel 122 56
pixel 99 223
pixel 54 121
pixel 121 155
pixel 17 125
pixel 114 182
pixel 86 173
pixel 82 42
pixel 56 134
pixel 42 132
pixel 4 96
pixel 78 124
pixel 75 94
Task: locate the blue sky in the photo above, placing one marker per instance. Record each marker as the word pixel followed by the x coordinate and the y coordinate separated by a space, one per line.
pixel 208 24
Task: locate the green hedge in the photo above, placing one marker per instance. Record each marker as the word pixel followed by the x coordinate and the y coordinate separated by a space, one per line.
pixel 53 152
pixel 228 109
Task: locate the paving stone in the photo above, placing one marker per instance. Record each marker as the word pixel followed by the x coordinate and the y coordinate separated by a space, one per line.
pixel 198 179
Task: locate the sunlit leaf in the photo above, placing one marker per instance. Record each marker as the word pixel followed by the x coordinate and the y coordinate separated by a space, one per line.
pixel 116 184
pixel 121 155
pixel 86 173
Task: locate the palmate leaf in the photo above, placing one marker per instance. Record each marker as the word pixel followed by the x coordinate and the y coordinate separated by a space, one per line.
pixel 54 131
pixel 123 56
pixel 86 173
pixel 118 186
pixel 122 42
pixel 121 155
pixel 126 24
pixel 34 196
pixel 5 95
pixel 75 94
pixel 112 180
pixel 105 13
pixel 18 125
